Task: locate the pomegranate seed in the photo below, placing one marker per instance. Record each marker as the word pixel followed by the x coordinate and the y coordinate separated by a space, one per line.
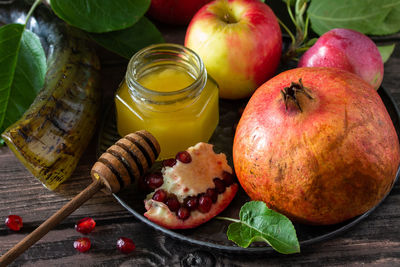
pixel 169 162
pixel 154 180
pixel 85 225
pixel 191 203
pixel 212 193
pixel 82 244
pixel 172 203
pixel 219 185
pixel 160 195
pixel 205 203
pixel 184 157
pixel 227 178
pixel 125 245
pixel 183 213
pixel 14 222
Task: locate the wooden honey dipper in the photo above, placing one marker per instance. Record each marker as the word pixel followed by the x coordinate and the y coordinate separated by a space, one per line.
pixel 122 164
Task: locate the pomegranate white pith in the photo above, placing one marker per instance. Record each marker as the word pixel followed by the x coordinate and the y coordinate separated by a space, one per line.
pixel 196 177
pixel 192 179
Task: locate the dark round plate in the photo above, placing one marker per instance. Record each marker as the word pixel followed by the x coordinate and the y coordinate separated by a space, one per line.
pixel 213 233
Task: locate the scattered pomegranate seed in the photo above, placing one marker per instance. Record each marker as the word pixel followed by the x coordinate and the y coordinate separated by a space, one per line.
pixel 85 225
pixel 205 203
pixel 183 213
pixel 172 203
pixel 184 157
pixel 82 244
pixel 169 162
pixel 160 195
pixel 14 222
pixel 212 193
pixel 125 245
pixel 154 180
pixel 191 203
pixel 227 178
pixel 219 185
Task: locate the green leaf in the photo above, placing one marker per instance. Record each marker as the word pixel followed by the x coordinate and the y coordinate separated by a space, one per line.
pixel 259 223
pixel 10 37
pixel 100 16
pixel 128 41
pixel 386 51
pixel 22 71
pixel 366 16
pixel 391 23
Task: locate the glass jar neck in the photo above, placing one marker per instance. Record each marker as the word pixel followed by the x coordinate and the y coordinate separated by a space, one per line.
pixel 161 56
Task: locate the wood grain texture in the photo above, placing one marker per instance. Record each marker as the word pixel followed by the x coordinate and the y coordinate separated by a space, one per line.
pixel 375 241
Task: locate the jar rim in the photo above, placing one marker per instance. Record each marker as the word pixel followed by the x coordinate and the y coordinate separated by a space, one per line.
pixel 132 82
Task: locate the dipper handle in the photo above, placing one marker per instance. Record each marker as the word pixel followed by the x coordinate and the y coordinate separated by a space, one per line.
pixel 122 164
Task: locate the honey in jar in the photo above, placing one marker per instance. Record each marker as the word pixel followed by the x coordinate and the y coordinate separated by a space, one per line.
pixel 167 92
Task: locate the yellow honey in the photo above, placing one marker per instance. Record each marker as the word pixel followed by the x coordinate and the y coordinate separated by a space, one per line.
pixel 167 79
pixel 171 98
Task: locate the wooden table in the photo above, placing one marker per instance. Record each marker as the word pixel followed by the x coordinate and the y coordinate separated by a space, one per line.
pixel 375 240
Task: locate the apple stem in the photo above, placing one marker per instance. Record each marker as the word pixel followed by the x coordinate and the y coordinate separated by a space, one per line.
pixel 228 18
pixel 291 93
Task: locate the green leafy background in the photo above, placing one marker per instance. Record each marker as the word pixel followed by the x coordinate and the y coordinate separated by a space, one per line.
pixel 22 71
pixel 100 16
pixel 367 16
pixel 128 41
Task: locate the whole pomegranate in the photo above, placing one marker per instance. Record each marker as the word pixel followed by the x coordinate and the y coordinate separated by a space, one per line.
pixel 317 145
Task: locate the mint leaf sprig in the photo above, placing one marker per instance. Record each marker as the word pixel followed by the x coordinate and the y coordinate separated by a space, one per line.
pixel 259 223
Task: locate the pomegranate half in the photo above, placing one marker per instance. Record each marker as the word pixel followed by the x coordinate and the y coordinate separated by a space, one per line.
pixel 190 189
pixel 317 145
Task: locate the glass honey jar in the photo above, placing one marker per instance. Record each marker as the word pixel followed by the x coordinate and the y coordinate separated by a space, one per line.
pixel 167 92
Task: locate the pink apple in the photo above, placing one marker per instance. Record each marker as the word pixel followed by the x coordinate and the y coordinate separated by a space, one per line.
pixel 240 43
pixel 348 50
pixel 175 11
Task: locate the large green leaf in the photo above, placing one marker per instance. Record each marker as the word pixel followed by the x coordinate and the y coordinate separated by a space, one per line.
pixel 128 41
pixel 10 37
pixel 100 16
pixel 366 16
pixel 391 23
pixel 22 71
pixel 259 223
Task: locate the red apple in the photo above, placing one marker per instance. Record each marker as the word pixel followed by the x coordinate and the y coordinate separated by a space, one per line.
pixel 348 50
pixel 175 11
pixel 240 43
